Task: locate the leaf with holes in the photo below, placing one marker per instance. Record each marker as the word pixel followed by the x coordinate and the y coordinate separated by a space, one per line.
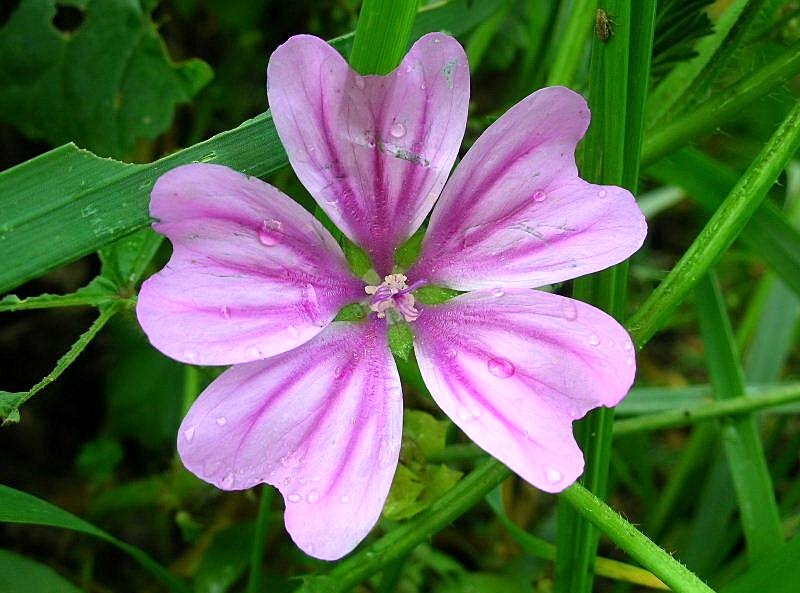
pixel 96 73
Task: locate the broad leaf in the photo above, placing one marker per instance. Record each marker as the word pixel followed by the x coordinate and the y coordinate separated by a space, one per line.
pixel 103 85
pixel 23 575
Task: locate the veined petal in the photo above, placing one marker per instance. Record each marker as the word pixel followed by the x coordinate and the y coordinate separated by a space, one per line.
pixel 515 213
pixel 322 423
pixel 513 369
pixel 252 273
pixel 374 151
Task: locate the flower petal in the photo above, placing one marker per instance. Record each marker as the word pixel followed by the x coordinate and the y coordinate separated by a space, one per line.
pixel 515 212
pixel 513 369
pixel 322 423
pixel 374 151
pixel 252 273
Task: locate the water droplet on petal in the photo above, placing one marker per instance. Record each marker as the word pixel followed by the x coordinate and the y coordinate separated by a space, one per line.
pixel 253 352
pixel 628 346
pixel 293 331
pixel 188 434
pixel 552 474
pixel 497 292
pixel 225 312
pixel 313 496
pixel 190 355
pixel 227 481
pixel 294 498
pixel 602 193
pixel 629 360
pixel 468 415
pixel 312 304
pixel 610 343
pixel 569 310
pixel 398 130
pixel 594 340
pixel 539 196
pixel 344 499
pixel 500 367
pixel 210 468
pixel 437 40
pixel 221 421
pixel 268 233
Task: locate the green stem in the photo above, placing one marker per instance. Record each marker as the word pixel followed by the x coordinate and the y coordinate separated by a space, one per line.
pixel 66 300
pixel 633 542
pixel 382 35
pixel 722 107
pixel 785 394
pixel 254 584
pixel 718 234
pixel 618 87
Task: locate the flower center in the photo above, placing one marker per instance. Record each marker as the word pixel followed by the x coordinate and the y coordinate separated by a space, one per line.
pixel 393 293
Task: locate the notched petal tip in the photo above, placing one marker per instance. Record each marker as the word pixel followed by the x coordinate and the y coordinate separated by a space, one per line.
pixel 514 368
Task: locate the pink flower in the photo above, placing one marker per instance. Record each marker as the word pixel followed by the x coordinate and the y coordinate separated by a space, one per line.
pixel 314 406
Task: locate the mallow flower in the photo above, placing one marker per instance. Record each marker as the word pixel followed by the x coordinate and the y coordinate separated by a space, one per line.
pixel 314 406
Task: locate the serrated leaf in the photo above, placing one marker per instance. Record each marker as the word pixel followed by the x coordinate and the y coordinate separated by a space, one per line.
pixel 103 85
pixel 98 291
pixel 23 575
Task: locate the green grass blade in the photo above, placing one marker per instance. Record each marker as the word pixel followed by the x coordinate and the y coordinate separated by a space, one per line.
pixel 572 42
pixel 382 35
pixel 23 575
pixel 774 574
pixel 20 507
pixel 68 202
pixel 723 228
pixel 741 438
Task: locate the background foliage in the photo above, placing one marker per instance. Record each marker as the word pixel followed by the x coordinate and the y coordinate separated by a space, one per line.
pixel 698 94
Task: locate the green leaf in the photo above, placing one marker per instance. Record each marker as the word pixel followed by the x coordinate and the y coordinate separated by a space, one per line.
pixel 100 291
pixel 352 312
pixel 103 86
pixel 79 202
pixel 98 459
pixel 408 252
pixel 20 507
pixel 777 573
pixel 427 432
pixel 124 262
pixel 23 575
pixel 226 559
pixel 401 340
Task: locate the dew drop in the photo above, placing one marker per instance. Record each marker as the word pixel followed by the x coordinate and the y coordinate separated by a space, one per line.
pixel 501 368
pixel 437 40
pixel 293 331
pixel 569 310
pixel 344 499
pixel 601 193
pixel 253 352
pixel 629 360
pixel 313 496
pixel 221 421
pixel 294 498
pixel 225 312
pixel 227 481
pixel 210 468
pixel 628 346
pixel 552 474
pixel 188 434
pixel 497 292
pixel 594 340
pixel 267 236
pixel 398 130
pixel 610 343
pixel 190 355
pixel 468 415
pixel 539 196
